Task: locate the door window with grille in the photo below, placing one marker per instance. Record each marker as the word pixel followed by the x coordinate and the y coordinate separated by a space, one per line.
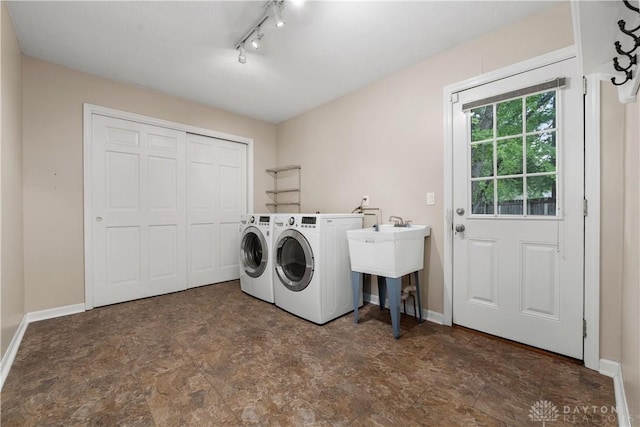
pixel 513 156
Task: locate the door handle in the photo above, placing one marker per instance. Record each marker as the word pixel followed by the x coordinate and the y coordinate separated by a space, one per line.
pixel 460 228
pixel 98 218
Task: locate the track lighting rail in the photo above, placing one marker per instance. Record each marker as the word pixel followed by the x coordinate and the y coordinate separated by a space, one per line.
pixel 272 10
pixel 253 30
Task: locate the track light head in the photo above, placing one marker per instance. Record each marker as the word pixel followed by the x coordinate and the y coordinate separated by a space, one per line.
pixel 276 13
pixel 255 41
pixel 242 57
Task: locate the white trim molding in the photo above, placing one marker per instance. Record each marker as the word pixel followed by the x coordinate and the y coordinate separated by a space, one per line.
pixel 592 221
pixel 613 369
pixel 28 318
pixel 51 313
pixel 429 315
pixel 12 350
pixel 592 191
pixel 88 111
pixel 609 368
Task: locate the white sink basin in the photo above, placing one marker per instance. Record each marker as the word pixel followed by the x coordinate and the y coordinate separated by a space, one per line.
pixel 389 252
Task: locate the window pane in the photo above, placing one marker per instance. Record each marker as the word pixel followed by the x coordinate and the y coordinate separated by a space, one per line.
pixel 509 153
pixel 541 152
pixel 482 123
pixel 482 160
pixel 541 195
pixel 541 111
pixel 510 196
pixel 482 197
pixel 509 120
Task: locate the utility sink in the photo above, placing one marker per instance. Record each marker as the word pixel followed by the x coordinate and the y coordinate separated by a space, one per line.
pixel 390 251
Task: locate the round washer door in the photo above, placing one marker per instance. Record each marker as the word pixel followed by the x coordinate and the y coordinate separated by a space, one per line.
pixel 253 252
pixel 294 260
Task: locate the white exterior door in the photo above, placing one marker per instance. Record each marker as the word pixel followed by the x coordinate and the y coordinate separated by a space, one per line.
pixel 518 219
pixel 217 196
pixel 139 206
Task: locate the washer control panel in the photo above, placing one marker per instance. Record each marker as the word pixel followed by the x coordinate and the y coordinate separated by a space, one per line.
pixel 309 222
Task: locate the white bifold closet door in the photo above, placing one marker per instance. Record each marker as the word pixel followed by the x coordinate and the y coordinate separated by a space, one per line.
pixel 217 196
pixel 166 207
pixel 139 228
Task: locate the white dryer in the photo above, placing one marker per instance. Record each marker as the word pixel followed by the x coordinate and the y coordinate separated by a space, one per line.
pixel 312 270
pixel 256 260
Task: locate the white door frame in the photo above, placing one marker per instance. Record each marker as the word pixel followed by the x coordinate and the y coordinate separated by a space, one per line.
pixel 592 193
pixel 88 111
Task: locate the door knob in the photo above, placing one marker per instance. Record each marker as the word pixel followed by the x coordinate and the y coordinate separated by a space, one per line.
pixel 459 228
pixel 460 211
pixel 98 218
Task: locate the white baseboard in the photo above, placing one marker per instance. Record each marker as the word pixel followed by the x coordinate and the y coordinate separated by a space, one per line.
pixel 12 350
pixel 431 316
pixel 613 369
pixel 609 368
pixel 52 313
pixel 434 317
pixel 34 316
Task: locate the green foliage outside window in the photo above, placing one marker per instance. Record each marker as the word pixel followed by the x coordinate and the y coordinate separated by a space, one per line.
pixel 523 127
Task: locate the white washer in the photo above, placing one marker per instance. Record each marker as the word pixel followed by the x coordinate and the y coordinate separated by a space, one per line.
pixel 256 260
pixel 312 270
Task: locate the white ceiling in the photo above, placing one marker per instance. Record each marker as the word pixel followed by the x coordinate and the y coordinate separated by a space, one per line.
pixel 184 48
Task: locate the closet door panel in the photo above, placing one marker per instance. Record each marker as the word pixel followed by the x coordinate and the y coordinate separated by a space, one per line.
pixel 217 194
pixel 139 206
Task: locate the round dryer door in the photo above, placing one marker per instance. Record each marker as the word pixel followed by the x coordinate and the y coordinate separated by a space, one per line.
pixel 294 260
pixel 253 252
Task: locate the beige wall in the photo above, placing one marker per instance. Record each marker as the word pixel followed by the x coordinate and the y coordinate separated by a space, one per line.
pixel 387 139
pixel 11 269
pixel 53 201
pixel 611 220
pixel 631 267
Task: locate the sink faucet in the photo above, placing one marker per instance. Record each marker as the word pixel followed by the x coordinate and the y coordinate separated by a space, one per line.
pixel 398 220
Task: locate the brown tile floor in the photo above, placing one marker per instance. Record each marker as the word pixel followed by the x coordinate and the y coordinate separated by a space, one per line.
pixel 215 356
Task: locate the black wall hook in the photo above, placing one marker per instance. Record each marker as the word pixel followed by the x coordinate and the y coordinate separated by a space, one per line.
pixel 631 57
pixel 632 62
pixel 630 6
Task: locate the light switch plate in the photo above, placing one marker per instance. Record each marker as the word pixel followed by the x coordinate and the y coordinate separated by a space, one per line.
pixel 431 199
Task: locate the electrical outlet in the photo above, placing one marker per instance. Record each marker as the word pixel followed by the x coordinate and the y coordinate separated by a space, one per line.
pixel 431 199
pixel 365 201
